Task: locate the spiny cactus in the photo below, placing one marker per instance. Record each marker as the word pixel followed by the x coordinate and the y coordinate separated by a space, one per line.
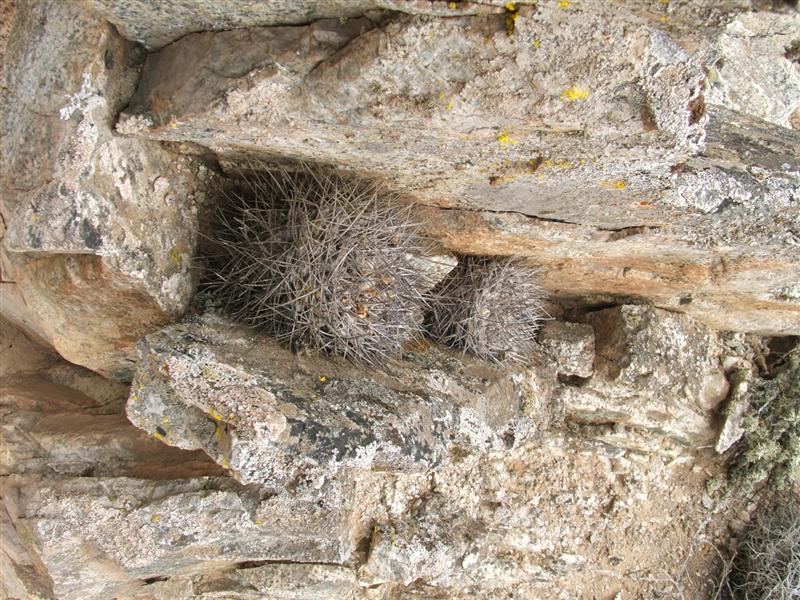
pixel 489 307
pixel 320 261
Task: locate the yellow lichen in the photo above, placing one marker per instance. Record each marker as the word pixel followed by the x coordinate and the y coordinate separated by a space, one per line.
pixel 155 518
pixel 214 414
pixel 176 256
pixel 564 4
pixel 536 43
pixel 209 373
pixel 574 93
pixel 504 138
pixel 615 184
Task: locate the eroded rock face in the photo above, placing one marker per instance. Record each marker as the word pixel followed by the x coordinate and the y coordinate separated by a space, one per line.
pixel 754 70
pixel 140 529
pixel 274 418
pixel 570 347
pixel 654 370
pixel 586 125
pixel 278 582
pixel 99 231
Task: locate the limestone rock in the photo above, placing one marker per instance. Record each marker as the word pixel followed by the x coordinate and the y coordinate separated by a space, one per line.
pixel 20 576
pixel 753 70
pixel 54 430
pixel 140 529
pixel 570 347
pixel 392 100
pixel 588 124
pixel 82 266
pixel 155 25
pixel 655 371
pixel 274 581
pixel 273 417
pixel 738 403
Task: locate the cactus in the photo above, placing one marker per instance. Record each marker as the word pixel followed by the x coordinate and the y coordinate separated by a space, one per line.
pixel 320 261
pixel 489 307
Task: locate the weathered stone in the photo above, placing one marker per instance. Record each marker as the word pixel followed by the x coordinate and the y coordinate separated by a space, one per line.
pixel 518 152
pixel 155 24
pixel 100 537
pixel 520 523
pixel 654 371
pixel 82 267
pixel 273 417
pixel 730 289
pixel 753 70
pixel 20 576
pixel 50 429
pixel 530 154
pixel 738 403
pixel 273 581
pixel 18 354
pixel 570 346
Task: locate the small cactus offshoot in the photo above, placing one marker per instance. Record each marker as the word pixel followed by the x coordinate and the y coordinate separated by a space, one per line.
pixel 489 307
pixel 320 261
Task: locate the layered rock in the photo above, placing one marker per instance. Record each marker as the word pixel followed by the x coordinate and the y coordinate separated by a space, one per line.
pixel 94 508
pixel 280 582
pixel 275 418
pixel 585 125
pixel 99 231
pixel 655 371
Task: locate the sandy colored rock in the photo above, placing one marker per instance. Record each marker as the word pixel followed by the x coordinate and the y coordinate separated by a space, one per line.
pixel 139 529
pixel 50 429
pixel 654 370
pixel 588 125
pixel 81 265
pixel 570 347
pixel 753 70
pixel 276 581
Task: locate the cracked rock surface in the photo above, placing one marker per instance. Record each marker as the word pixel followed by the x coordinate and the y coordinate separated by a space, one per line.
pixel 641 153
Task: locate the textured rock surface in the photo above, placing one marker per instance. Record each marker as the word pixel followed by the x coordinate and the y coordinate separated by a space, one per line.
pixel 82 267
pixel 513 517
pixel 755 70
pixel 654 370
pixel 95 506
pixel 587 124
pixel 140 529
pixel 276 582
pixel 275 418
pixel 55 430
pixel 523 523
pixel 570 347
pixel 642 153
pixel 155 24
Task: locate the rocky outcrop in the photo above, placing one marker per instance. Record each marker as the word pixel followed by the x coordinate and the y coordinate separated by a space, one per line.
pixel 654 370
pixel 641 154
pixel 275 418
pixel 99 231
pixel 582 139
